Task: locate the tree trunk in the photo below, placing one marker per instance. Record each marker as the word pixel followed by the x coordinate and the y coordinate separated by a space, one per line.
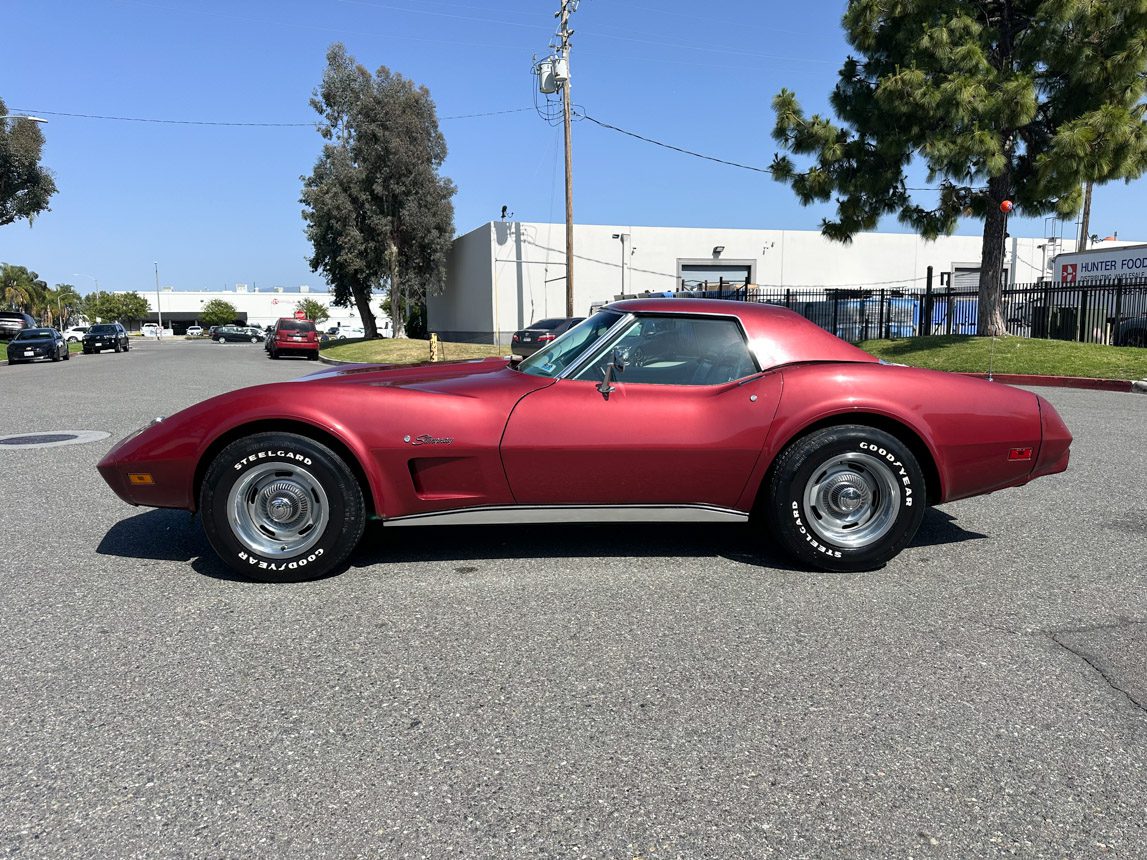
pixel 397 297
pixel 1086 225
pixel 362 302
pixel 990 312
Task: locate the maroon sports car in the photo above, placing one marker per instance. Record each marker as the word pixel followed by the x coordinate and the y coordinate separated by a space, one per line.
pixel 650 410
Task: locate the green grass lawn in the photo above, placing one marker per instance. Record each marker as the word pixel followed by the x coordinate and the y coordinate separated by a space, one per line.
pixel 940 352
pixel 407 351
pixel 1013 355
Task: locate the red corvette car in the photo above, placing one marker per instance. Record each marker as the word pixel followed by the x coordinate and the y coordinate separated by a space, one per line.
pixel 650 410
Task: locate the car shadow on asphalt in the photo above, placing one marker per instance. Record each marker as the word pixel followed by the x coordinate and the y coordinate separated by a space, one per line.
pixel 939 528
pixel 162 534
pixel 169 535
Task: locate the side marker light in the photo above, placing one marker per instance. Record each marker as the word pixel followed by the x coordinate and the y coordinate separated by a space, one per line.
pixel 1020 454
pixel 140 478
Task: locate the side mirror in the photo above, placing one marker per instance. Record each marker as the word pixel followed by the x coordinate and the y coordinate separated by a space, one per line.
pixel 617 364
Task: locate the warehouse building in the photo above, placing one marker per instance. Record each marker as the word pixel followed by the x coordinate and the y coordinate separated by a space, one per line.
pixel 182 308
pixel 506 274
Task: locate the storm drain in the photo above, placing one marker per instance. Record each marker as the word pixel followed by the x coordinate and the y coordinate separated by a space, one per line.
pixel 53 439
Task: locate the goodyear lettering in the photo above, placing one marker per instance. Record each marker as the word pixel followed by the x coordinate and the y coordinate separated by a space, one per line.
pixel 282 455
pixel 873 448
pixel 290 565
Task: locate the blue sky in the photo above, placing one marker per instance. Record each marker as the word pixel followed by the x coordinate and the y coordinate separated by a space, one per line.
pixel 216 205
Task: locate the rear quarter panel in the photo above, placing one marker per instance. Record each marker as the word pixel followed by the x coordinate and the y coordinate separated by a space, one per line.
pixel 968 426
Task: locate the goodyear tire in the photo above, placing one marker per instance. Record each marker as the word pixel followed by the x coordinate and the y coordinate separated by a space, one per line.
pixel 278 507
pixel 846 498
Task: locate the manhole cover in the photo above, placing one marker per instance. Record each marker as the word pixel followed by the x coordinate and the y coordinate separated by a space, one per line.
pixel 52 439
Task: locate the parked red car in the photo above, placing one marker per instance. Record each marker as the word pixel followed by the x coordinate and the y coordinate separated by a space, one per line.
pixel 651 410
pixel 290 335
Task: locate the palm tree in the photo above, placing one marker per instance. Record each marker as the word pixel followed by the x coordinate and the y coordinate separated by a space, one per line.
pixel 18 285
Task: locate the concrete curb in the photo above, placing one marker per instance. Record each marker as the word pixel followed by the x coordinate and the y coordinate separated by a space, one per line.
pixel 1122 385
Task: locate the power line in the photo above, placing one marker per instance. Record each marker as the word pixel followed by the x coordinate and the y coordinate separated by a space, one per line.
pixel 690 152
pixel 596 121
pixel 236 124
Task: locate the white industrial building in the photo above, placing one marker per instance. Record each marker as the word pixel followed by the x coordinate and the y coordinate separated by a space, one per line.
pixel 182 308
pixel 506 274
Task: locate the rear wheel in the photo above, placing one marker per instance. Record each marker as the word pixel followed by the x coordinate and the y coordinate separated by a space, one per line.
pixel 313 356
pixel 278 507
pixel 846 498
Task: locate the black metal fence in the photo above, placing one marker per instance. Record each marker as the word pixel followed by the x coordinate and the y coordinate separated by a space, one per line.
pixel 1089 313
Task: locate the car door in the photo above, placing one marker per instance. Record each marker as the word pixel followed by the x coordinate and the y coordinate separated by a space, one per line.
pixel 675 429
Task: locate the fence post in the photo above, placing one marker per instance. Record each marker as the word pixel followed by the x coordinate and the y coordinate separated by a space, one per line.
pixel 1118 304
pixel 926 323
pixel 835 308
pixel 951 308
pixel 788 299
pixel 1082 315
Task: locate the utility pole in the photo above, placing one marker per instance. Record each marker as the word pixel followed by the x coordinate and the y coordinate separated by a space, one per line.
pixel 564 34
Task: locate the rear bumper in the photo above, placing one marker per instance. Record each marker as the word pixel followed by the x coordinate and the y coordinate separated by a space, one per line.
pixel 1055 446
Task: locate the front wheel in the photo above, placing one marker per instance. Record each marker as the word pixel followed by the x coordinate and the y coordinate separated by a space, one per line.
pixel 846 498
pixel 279 507
pixel 222 340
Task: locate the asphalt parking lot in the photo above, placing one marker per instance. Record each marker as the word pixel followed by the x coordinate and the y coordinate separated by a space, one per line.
pixel 611 692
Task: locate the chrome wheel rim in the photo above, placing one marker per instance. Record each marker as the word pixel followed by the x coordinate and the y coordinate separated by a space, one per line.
pixel 278 510
pixel 852 500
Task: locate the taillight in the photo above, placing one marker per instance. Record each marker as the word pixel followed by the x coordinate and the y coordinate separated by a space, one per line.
pixel 515 338
pixel 310 337
pixel 546 338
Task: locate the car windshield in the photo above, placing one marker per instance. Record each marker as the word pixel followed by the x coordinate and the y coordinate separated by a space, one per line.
pixel 553 359
pixel 34 333
pixel 102 329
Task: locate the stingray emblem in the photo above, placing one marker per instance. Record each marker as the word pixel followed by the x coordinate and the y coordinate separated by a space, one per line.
pixel 427 439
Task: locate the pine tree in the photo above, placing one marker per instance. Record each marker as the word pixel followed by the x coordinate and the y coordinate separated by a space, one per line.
pixel 1019 100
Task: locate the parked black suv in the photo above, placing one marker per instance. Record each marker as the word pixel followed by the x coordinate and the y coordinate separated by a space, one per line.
pixel 106 336
pixel 12 322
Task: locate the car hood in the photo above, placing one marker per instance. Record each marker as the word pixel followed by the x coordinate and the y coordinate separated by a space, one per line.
pixel 437 376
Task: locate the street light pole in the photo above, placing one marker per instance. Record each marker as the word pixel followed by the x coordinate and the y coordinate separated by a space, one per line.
pixel 23 116
pixel 158 312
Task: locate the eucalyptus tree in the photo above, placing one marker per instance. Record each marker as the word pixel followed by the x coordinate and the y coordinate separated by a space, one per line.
pixel 378 213
pixel 1000 100
pixel 26 186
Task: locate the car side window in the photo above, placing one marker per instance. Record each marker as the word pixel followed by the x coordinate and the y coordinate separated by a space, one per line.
pixel 661 350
